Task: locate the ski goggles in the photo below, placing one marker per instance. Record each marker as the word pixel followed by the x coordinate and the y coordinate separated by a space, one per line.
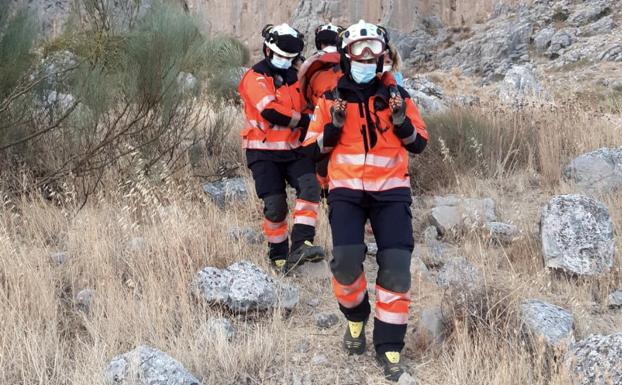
pixel 365 49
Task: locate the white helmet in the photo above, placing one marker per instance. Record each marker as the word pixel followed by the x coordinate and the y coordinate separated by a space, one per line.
pixel 363 41
pixel 283 39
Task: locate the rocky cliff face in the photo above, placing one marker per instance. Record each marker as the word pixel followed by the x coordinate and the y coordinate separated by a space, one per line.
pixel 244 19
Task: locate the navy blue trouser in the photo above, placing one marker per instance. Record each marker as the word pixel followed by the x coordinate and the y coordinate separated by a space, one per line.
pixel 391 223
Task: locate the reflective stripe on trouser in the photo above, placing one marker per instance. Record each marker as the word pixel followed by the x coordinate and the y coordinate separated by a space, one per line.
pixel 350 296
pixel 276 232
pixel 305 212
pixel 392 307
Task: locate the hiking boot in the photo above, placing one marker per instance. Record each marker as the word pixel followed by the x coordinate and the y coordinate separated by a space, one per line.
pixel 278 263
pixel 305 253
pixel 354 339
pixel 391 364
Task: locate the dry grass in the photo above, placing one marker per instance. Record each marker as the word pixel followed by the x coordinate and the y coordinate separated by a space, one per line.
pixel 142 294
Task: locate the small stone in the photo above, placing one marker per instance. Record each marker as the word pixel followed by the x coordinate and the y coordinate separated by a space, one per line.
pixel 430 327
pixel 319 359
pixel 453 214
pixel 247 235
pixel 614 300
pixel 551 324
pixel 430 234
pixel 460 275
pixel 435 253
pixel 314 302
pixel 616 85
pixel 226 190
pixel 446 219
pixel 243 287
pixel 59 258
pixel 419 269
pixel 502 232
pixel 218 328
pixel 407 379
pixel 313 270
pixel 326 320
pixel 147 366
pixel 84 300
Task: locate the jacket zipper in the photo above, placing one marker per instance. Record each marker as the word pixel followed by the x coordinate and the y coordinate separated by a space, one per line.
pixel 364 128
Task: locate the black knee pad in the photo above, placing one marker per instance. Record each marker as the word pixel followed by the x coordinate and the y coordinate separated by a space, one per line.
pixel 394 270
pixel 309 188
pixel 275 207
pixel 347 263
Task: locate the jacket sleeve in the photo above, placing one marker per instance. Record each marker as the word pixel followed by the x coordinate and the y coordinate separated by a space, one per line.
pixel 313 144
pixel 262 97
pixel 418 139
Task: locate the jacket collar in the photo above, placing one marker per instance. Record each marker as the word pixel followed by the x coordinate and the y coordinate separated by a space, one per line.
pixel 288 76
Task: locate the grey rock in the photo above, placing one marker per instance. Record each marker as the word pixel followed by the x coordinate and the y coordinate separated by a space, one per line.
pixel 562 39
pixel 549 323
pixel 493 48
pixel 612 53
pixel 503 233
pixel 84 300
pixel 425 85
pixel 520 85
pixel 313 302
pixel 430 234
pixel 326 320
pixel 246 234
pixel 595 360
pixel 426 103
pixel 226 190
pixel 543 38
pixel 147 366
pixel 466 101
pixel 591 11
pixel 59 258
pixel 434 254
pixel 59 102
pixel 460 275
pixel 314 271
pixel 407 379
pixel 187 82
pixel 426 94
pixel 614 300
pixel 600 27
pixel 598 171
pixel 243 287
pixel 319 359
pixel 577 235
pixel 218 328
pixel 446 218
pixel 419 270
pixel 453 214
pixel 430 327
pixel 616 85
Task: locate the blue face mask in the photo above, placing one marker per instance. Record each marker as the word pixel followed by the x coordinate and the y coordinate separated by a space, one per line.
pixel 362 73
pixel 281 62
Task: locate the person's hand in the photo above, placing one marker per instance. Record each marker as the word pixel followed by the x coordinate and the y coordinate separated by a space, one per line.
pixel 398 109
pixel 338 113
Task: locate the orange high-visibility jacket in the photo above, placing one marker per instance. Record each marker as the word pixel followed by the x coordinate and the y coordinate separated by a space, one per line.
pixel 369 155
pixel 273 105
pixel 318 74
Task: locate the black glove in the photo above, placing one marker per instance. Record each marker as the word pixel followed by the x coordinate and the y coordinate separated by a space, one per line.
pixel 398 109
pixel 338 113
pixel 304 122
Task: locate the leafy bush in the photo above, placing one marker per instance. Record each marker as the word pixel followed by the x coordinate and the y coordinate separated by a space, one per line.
pixel 132 93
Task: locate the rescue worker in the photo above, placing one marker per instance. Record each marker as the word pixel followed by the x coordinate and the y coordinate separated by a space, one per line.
pixel 367 129
pixel 393 63
pixel 319 74
pixel 275 128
